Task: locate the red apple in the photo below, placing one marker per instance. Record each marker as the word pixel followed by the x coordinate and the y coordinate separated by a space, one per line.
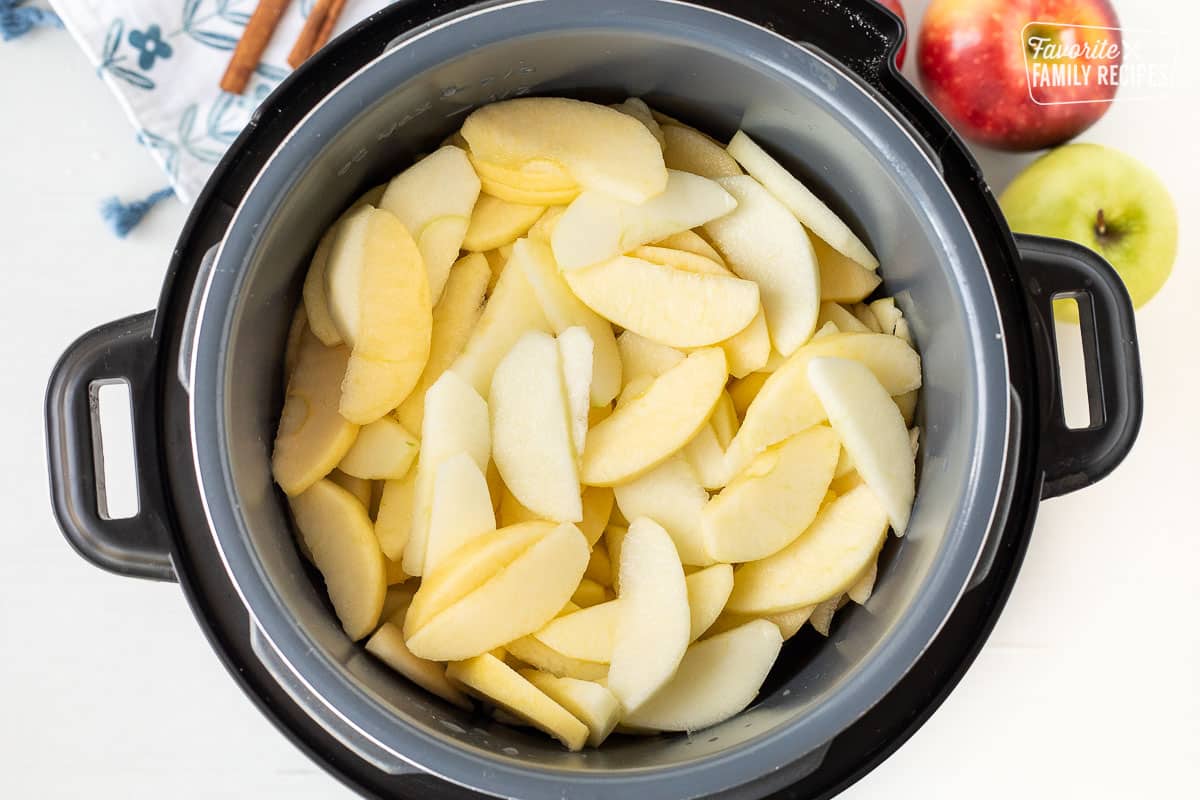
pixel 897 9
pixel 974 58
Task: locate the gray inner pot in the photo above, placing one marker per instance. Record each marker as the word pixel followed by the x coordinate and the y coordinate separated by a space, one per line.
pixel 718 73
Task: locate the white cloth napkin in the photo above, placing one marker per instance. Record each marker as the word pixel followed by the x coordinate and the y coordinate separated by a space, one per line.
pixel 164 58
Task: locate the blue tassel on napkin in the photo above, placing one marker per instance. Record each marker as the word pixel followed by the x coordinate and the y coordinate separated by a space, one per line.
pixel 124 217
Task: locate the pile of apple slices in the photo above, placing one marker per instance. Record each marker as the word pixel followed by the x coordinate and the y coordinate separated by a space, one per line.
pixel 583 420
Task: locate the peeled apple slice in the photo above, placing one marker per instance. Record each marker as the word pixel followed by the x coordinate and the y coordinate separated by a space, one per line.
pixel 763 242
pixel 773 500
pixel 597 227
pixel 642 357
pixel 379 297
pixel 716 679
pixel 387 644
pixel 668 305
pixel 393 519
pixel 533 652
pixel 839 316
pixel 531 430
pixel 843 280
pixel 600 147
pixel 692 242
pixel 384 450
pixel 515 602
pixel 654 624
pixel 461 510
pixel 338 533
pixel 691 151
pixel 637 108
pixel 825 561
pixel 312 437
pixel 671 495
pixel 597 508
pixel 496 222
pixel 590 703
pixel 587 634
pixel 433 199
pixel 495 682
pixel 807 207
pixel 575 350
pixel 872 431
pixel 648 430
pixel 708 591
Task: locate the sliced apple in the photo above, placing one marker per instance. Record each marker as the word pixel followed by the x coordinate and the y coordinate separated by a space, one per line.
pixel 750 349
pixel 807 207
pixel 743 391
pixel 671 495
pixel 670 306
pixel 821 564
pixel 384 450
pixel 724 420
pixel 312 437
pixel 433 199
pixel 679 259
pixel 590 703
pixel 861 591
pixel 708 590
pixel 843 280
pixel 495 222
pixel 637 108
pixel 536 654
pixel 575 350
pixel 536 176
pixel 642 357
pixel 716 679
pixel 786 403
pixel 511 512
pixel 461 510
pixel 648 430
pixel 563 310
pixel 599 568
pixel 379 297
pixel 872 431
pixel 587 634
pixel 597 227
pixel 291 348
pixel 707 459
pixel 338 533
pixel 589 593
pixel 839 316
pixel 456 421
pixel 863 314
pixel 469 567
pixel 511 311
pixel 789 622
pixel 821 617
pixel 515 602
pixel 597 508
pixel 600 147
pixel 654 623
pixel 316 303
pixel 531 434
pixel 387 644
pixel 393 520
pixel 763 242
pixel 495 682
pixel 543 229
pixel 886 313
pixel 771 502
pixel 691 151
pixel 359 487
pixel 692 242
pixel 614 537
pixel 454 317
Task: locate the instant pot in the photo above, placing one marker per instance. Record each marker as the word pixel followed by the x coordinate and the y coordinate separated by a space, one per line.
pixel 814 82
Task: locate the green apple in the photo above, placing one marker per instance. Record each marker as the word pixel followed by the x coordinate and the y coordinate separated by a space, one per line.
pixel 1105 200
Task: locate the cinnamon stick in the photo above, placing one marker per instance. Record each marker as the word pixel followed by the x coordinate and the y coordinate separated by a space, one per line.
pixel 331 18
pixel 303 48
pixel 249 50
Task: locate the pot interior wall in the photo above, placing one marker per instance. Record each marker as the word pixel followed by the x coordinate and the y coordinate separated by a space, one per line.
pixel 803 113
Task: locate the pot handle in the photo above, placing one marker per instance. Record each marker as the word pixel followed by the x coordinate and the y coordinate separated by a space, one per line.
pixel 1057 269
pixel 119 352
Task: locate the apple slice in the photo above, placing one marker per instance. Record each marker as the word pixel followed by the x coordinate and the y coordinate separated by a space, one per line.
pixel 495 682
pixel 789 622
pixel 708 590
pixel 456 421
pixel 597 508
pixel 597 227
pixel 742 391
pixel 461 509
pixel 786 403
pixel 454 317
pixel 536 654
pixel 872 431
pixel 840 317
pixel 587 634
pixel 291 348
pixel 642 357
pixel 671 495
pixel 670 306
pixel 691 151
pixel 393 520
pixel 648 430
pixel 433 199
pixel 763 242
pixel 716 679
pixel 511 311
pixel 603 149
pixel 614 537
pixel 807 207
pixel 843 280
pixel 563 310
pixel 379 297
pixel 531 432
pixel 496 222
pixel 469 567
pixel 537 176
pixel 387 644
pixel 724 420
pixel 511 512
pixel 887 314
pixel 589 593
pixel 773 500
pixel 515 602
pixel 822 615
pixel 824 562
pixel 750 349
pixel 384 450
pixel 861 591
pixel 707 459
pixel 312 437
pixel 590 703
pixel 653 623
pixel 863 314
pixel 599 568
pixel 679 259
pixel 543 229
pixel 338 533
pixel 359 487
pixel 575 350
pixel 637 108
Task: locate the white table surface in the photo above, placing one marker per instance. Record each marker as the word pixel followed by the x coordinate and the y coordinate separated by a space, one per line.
pixel 1089 687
